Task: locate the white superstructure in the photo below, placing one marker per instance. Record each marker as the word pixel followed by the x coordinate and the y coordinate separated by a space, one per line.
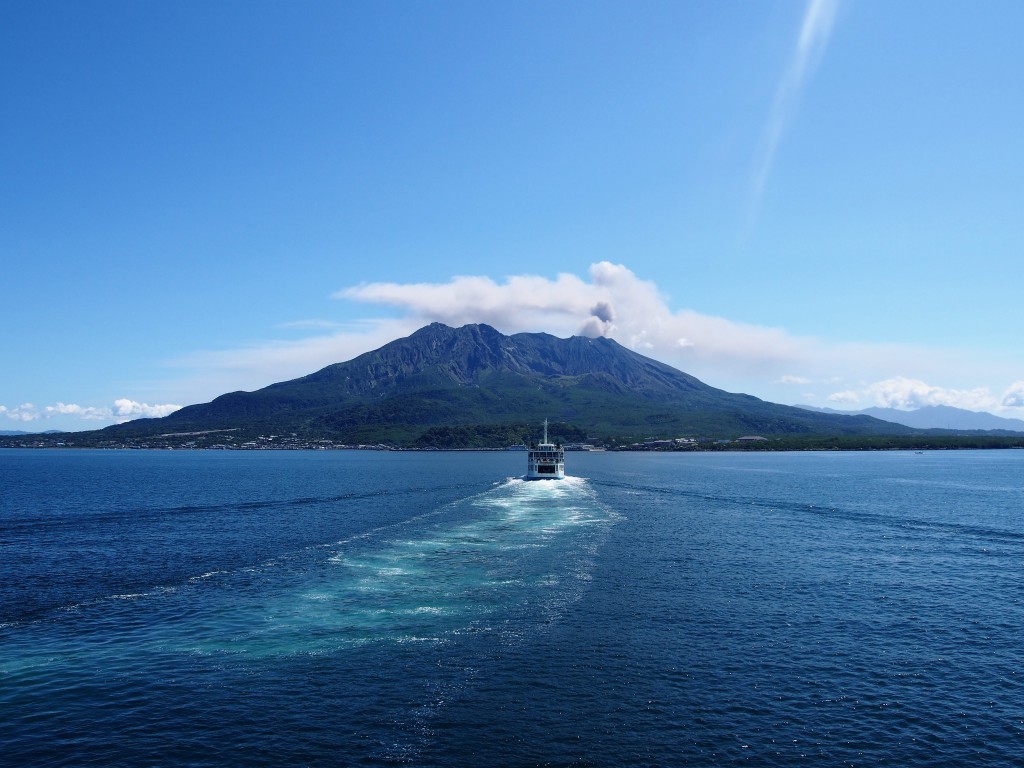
pixel 545 461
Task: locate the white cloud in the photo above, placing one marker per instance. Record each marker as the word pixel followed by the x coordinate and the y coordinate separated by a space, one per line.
pixel 844 398
pixel 521 301
pixel 122 410
pixel 907 394
pixel 815 31
pixel 82 412
pixel 23 412
pixel 788 379
pixel 1013 397
pixel 125 410
pixel 615 303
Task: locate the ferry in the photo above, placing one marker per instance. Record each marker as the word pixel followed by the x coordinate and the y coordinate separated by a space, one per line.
pixel 545 461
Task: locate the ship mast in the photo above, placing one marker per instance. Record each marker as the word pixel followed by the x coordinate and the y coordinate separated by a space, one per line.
pixel 545 431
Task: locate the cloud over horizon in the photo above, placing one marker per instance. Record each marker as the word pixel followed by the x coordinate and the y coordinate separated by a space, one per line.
pixel 614 302
pixel 906 394
pixel 122 410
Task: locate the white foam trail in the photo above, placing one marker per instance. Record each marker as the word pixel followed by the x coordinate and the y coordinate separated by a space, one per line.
pixel 482 564
pixel 448 571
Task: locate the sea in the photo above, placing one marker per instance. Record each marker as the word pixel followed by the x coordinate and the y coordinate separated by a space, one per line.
pixel 371 608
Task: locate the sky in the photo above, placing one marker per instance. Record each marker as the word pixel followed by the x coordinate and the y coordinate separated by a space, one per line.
pixel 814 202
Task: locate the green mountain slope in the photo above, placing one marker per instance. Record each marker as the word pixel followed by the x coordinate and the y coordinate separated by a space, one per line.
pixel 413 389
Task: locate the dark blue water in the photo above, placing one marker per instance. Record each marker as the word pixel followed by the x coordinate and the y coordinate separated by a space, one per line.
pixel 351 608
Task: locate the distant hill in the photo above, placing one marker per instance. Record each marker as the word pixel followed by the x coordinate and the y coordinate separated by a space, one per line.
pixel 936 417
pixel 20 432
pixel 445 386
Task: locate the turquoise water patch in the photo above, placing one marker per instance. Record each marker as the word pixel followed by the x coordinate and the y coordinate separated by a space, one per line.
pixel 462 568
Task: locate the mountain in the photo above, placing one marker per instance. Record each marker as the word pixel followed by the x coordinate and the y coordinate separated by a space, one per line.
pixel 429 388
pixel 936 417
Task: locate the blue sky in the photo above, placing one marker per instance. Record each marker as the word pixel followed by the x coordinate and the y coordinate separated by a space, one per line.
pixel 811 202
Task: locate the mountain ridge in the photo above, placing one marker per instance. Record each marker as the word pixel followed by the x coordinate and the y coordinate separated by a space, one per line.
pixel 440 377
pixel 936 417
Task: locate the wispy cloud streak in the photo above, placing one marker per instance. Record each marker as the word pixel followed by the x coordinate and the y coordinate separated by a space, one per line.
pixel 815 31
